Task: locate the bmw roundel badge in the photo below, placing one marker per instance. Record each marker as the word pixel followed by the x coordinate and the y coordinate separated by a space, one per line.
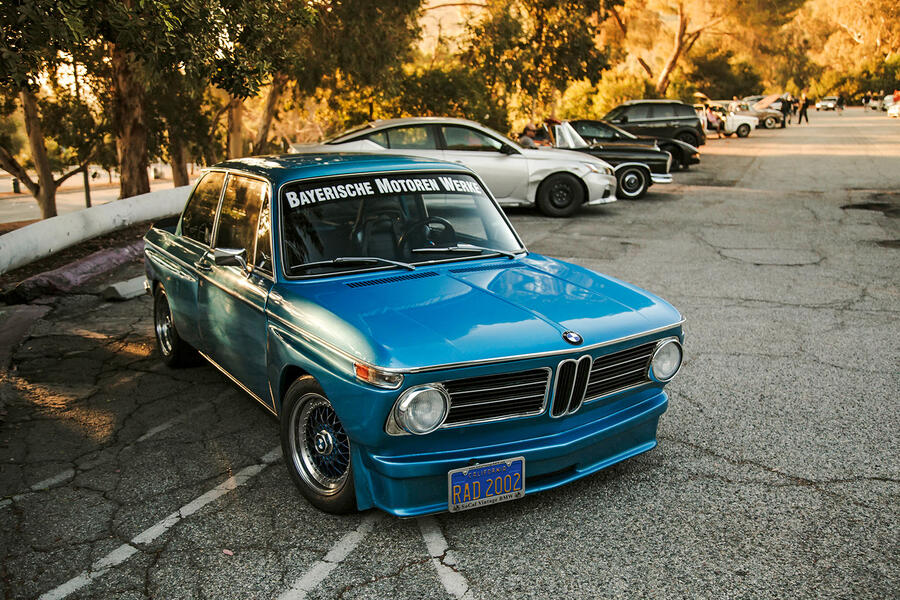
pixel 572 337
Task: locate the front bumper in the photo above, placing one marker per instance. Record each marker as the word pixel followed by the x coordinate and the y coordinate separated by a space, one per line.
pixel 601 188
pixel 661 177
pixel 416 484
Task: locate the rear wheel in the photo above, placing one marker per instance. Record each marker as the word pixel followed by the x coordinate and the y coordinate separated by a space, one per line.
pixel 560 195
pixel 743 130
pixel 174 351
pixel 688 138
pixel 633 182
pixel 316 448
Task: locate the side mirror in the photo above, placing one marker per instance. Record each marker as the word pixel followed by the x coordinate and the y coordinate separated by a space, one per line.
pixel 230 257
pixel 622 119
pixel 507 149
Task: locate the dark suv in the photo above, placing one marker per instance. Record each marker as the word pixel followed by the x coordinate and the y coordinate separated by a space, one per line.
pixel 659 118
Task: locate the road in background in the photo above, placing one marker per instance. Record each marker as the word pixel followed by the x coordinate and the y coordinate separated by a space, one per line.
pixel 776 474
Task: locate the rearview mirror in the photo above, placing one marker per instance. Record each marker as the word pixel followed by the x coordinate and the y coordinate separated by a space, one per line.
pixel 230 257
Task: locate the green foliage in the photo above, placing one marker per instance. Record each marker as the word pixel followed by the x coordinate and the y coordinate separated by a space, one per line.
pixel 718 74
pixel 535 49
pixel 73 125
pixel 581 100
pixel 11 135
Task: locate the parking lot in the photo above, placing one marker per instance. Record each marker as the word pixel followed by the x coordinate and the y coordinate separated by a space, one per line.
pixel 776 473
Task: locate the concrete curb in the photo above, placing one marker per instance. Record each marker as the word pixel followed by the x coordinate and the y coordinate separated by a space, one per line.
pixel 43 238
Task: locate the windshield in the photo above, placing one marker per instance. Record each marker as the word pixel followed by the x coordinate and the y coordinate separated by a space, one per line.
pixel 615 113
pixel 389 221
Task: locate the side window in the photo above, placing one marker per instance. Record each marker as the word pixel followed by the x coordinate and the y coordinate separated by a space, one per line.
pixel 412 138
pixel 683 110
pixel 240 213
pixel 200 214
pixel 594 131
pixel 379 137
pixel 640 112
pixel 463 138
pixel 664 111
pixel 263 256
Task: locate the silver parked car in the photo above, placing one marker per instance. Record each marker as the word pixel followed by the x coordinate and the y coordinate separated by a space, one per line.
pixel 557 182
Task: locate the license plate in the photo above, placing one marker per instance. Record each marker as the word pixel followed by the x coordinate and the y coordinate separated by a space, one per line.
pixel 489 483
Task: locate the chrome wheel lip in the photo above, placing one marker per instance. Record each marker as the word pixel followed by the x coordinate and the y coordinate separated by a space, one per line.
pixel 163 324
pixel 632 182
pixel 304 449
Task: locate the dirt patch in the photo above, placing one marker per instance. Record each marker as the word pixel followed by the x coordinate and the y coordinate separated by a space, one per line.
pixel 12 226
pixel 888 209
pixel 888 243
pixel 115 239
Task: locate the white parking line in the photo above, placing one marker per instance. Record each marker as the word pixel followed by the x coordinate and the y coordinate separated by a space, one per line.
pixel 69 473
pixel 341 549
pixel 453 581
pixel 126 551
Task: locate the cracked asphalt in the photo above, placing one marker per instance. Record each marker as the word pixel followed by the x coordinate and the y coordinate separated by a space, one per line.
pixel 776 474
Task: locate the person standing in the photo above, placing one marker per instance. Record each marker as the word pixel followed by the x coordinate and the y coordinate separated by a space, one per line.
pixel 803 107
pixel 785 110
pixel 840 104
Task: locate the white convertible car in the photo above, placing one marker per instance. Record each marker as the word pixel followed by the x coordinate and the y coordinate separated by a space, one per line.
pixel 558 182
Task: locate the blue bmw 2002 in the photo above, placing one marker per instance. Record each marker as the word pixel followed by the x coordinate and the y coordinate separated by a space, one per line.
pixel 419 358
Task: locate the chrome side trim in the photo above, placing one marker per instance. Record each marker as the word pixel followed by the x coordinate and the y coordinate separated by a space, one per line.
pixel 470 363
pixel 235 380
pixel 661 178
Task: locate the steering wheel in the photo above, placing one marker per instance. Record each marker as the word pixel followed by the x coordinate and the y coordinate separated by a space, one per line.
pixel 428 232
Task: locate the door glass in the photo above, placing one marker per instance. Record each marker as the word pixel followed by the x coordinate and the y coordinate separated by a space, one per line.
pixel 463 138
pixel 664 111
pixel 240 212
pixel 640 112
pixel 683 110
pixel 412 138
pixel 200 214
pixel 594 131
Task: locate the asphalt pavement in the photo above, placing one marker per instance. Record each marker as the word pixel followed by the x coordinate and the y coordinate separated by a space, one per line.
pixel 776 475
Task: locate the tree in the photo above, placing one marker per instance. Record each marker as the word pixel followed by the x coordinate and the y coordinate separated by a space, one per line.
pixel 36 34
pixel 533 50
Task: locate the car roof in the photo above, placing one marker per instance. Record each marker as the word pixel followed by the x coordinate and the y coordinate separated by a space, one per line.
pixel 653 101
pixel 279 169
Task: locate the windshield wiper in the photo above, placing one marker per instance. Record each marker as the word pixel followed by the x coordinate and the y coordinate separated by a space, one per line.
pixel 466 248
pixel 349 260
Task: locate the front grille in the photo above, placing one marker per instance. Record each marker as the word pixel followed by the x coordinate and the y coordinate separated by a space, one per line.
pixel 497 396
pixel 619 370
pixel 571 385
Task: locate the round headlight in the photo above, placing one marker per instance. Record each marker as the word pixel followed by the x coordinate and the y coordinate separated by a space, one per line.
pixel 422 409
pixel 666 361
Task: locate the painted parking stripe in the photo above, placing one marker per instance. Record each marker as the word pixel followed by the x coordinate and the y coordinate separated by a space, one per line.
pixel 336 555
pixel 126 551
pixel 69 473
pixel 453 581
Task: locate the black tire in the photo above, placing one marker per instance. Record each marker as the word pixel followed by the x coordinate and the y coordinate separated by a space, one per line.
pixel 688 138
pixel 175 352
pixel 770 122
pixel 743 130
pixel 633 182
pixel 560 195
pixel 316 448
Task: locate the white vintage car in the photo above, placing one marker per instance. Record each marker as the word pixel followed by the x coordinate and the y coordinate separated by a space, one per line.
pixel 557 182
pixel 741 125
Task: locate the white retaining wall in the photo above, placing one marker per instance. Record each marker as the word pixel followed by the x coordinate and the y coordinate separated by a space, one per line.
pixel 45 237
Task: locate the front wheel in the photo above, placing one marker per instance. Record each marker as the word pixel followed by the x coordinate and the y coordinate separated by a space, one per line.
pixel 316 448
pixel 743 130
pixel 174 351
pixel 770 122
pixel 560 195
pixel 633 182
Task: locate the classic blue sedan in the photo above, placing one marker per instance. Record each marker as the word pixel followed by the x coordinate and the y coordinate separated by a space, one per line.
pixel 418 357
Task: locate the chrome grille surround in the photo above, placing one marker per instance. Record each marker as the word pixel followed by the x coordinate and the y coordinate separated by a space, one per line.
pixel 571 385
pixel 497 397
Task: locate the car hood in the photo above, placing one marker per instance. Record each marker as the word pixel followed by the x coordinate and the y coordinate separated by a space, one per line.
pixel 550 153
pixel 467 311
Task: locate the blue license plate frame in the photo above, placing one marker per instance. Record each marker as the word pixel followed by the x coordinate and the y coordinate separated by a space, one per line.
pixel 476 485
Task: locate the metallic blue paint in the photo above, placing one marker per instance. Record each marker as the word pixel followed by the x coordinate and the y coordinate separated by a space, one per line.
pixel 474 317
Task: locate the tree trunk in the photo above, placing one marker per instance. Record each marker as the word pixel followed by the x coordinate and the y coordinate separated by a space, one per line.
pixel 265 122
pixel 662 84
pixel 45 194
pixel 177 161
pixel 235 128
pixel 130 125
